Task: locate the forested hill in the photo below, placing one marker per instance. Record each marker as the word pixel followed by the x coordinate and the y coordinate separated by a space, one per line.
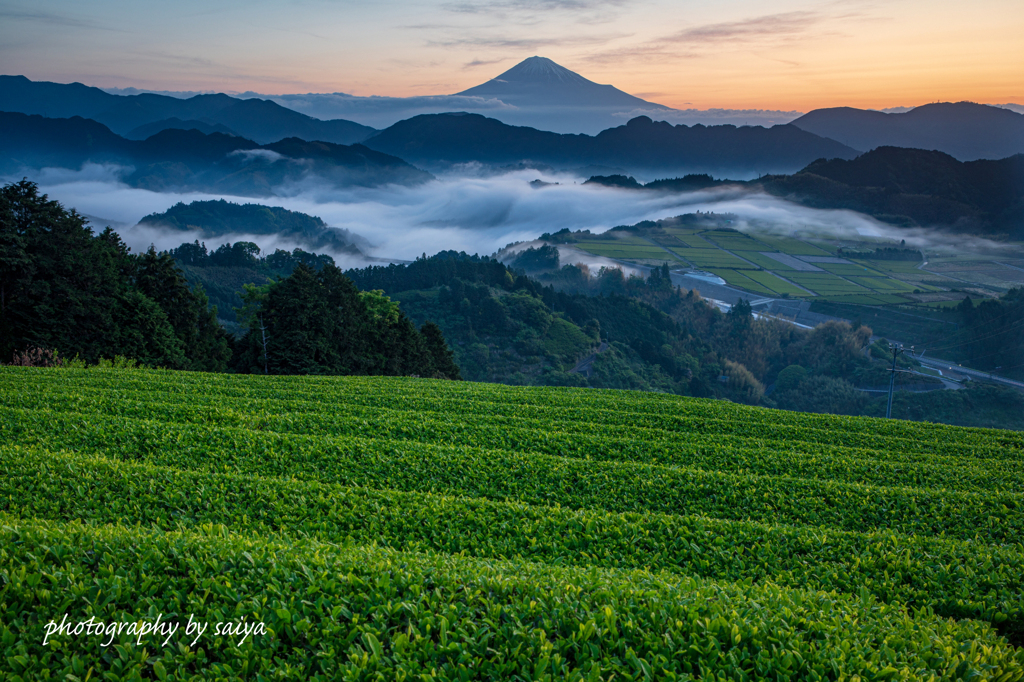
pixel 915 187
pixel 217 218
pixel 907 187
pixel 223 217
pixel 573 327
pixel 511 328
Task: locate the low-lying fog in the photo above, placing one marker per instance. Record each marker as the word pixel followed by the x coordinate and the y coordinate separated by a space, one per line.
pixel 464 212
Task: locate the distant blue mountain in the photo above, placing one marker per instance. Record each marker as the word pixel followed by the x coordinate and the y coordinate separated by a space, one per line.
pixel 964 130
pixel 150 129
pixel 176 159
pixel 640 146
pixel 260 120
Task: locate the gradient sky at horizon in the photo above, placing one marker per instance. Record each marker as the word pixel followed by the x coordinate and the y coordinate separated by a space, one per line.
pixel 735 54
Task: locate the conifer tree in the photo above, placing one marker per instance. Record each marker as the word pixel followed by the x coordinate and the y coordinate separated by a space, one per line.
pixel 441 356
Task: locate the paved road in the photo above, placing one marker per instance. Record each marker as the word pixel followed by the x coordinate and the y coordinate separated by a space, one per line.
pixel 710 290
pixel 585 365
pixel 935 363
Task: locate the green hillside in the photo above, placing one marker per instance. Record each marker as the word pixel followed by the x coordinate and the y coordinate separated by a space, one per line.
pixel 390 528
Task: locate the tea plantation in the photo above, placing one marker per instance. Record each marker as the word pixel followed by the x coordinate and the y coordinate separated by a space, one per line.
pixel 407 529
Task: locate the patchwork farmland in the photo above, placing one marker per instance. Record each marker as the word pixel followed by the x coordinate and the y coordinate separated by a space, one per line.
pixel 766 265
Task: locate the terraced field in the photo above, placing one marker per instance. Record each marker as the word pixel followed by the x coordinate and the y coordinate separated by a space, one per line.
pixel 385 528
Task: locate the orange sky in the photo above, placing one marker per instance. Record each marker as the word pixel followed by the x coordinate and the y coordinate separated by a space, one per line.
pixel 733 54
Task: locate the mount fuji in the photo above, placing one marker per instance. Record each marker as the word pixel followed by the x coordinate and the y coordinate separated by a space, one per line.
pixel 540 82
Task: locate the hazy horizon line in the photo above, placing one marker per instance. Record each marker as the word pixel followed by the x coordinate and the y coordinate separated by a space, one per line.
pixel 251 94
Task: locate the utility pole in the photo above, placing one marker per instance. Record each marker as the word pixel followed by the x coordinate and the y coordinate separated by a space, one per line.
pixel 262 329
pixel 896 350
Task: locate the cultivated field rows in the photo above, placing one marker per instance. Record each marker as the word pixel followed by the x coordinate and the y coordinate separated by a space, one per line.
pixel 402 526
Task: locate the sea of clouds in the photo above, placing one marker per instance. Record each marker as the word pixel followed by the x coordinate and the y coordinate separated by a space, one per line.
pixel 465 211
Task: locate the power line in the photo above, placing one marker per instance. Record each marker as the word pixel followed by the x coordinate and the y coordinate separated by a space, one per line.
pixel 966 331
pixel 973 358
pixel 1005 330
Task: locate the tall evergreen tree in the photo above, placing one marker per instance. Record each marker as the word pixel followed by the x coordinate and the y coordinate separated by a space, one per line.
pixel 441 356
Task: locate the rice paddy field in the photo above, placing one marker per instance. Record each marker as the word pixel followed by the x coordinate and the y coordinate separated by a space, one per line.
pixel 772 266
pixel 712 258
pixel 628 249
pixel 408 529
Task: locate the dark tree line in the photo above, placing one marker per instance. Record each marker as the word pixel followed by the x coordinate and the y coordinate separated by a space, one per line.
pixel 536 259
pixel 439 269
pixel 246 255
pixel 900 253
